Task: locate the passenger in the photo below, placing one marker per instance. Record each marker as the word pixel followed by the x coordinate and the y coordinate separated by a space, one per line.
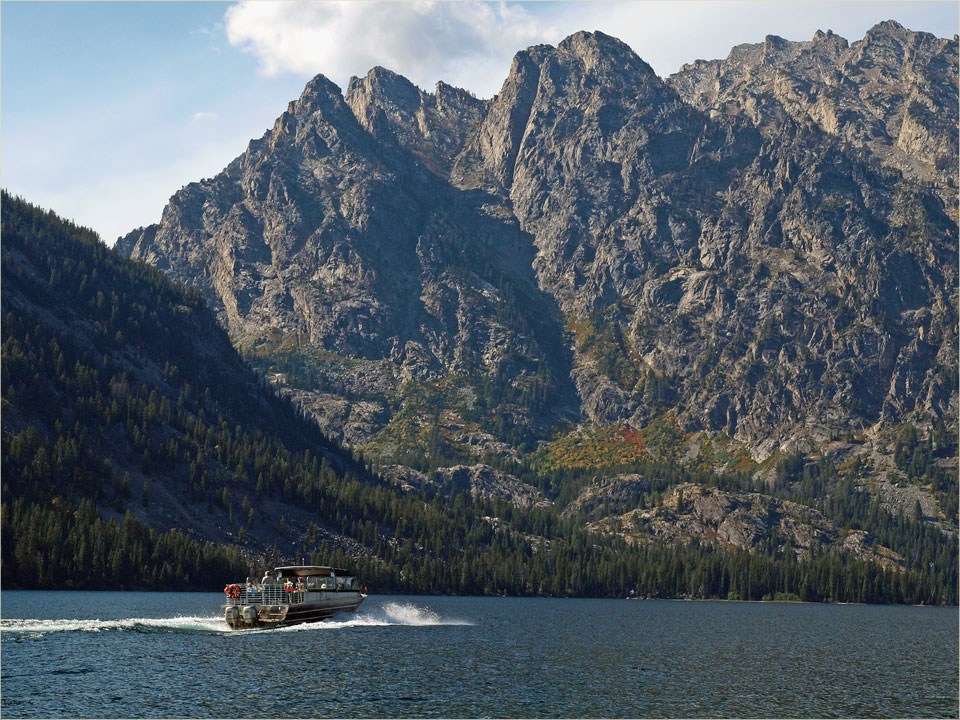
pixel 268 579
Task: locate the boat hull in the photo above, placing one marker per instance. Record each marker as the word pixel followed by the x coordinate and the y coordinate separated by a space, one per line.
pixel 245 617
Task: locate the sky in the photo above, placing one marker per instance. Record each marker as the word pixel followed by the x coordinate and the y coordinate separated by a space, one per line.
pixel 108 108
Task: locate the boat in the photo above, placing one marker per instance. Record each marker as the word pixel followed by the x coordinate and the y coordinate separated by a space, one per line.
pixel 292 594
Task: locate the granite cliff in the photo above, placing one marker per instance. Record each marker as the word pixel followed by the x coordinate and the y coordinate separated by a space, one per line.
pixel 743 520
pixel 762 248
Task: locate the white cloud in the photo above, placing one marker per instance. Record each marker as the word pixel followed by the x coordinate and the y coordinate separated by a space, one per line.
pixel 113 165
pixel 464 43
pixel 470 44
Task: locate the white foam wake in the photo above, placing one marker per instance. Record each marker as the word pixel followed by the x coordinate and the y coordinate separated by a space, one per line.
pixel 391 613
pixel 180 622
pixel 408 614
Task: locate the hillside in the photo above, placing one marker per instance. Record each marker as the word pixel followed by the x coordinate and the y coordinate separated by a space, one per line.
pixel 105 484
pixel 533 320
pixel 122 397
pixel 597 245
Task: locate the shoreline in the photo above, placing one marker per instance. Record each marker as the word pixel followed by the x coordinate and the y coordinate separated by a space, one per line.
pixel 504 597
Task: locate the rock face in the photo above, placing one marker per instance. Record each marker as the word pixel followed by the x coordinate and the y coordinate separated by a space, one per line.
pixel 766 243
pixel 484 481
pixel 126 337
pixel 885 95
pixel 324 237
pixel 743 520
pixel 605 493
pixel 479 480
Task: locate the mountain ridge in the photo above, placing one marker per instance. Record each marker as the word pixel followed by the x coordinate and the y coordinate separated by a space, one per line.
pixel 758 250
pixel 113 376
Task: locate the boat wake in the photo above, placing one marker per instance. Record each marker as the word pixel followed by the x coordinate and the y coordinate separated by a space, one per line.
pixel 179 623
pixel 391 613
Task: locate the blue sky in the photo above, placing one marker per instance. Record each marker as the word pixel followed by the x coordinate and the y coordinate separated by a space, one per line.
pixel 107 109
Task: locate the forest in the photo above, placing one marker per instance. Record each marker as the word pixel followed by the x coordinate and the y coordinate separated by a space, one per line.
pixel 122 398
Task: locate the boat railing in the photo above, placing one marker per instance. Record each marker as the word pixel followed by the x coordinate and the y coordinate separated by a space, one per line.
pixel 268 595
pixel 277 594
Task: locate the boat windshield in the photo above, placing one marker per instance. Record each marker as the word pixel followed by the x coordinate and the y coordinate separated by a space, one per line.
pixel 333 582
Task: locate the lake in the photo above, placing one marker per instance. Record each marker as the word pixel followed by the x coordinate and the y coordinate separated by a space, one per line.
pixel 129 654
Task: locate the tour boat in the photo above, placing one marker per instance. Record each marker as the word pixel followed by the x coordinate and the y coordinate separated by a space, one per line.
pixel 292 594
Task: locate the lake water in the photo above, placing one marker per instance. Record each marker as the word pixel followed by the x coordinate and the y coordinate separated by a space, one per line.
pixel 113 654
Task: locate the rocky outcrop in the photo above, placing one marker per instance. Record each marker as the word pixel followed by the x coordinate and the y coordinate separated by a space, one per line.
pixel 887 94
pixel 765 243
pixel 484 481
pixel 406 477
pixel 903 498
pixel 332 242
pixel 479 480
pixel 743 520
pixel 606 493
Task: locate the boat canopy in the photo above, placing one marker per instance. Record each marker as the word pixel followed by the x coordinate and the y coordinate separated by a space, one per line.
pixel 310 571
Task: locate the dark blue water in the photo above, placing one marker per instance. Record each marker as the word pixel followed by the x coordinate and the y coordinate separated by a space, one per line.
pixel 89 654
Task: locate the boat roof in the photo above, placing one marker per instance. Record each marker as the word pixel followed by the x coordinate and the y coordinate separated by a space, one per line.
pixel 308 570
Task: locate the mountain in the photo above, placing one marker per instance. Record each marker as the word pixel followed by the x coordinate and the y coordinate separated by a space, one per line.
pixel 139 451
pixel 362 272
pixel 597 244
pixel 888 95
pixel 746 271
pixel 127 412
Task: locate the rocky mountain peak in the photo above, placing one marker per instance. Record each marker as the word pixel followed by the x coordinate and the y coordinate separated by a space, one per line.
pixel 749 243
pixel 318 122
pixel 828 42
pixel 383 86
pixel 383 101
pixel 887 27
pixel 320 94
pixel 614 63
pixel 588 77
pixel 447 94
pixel 433 127
pixel 600 52
pixel 887 94
pixel 774 47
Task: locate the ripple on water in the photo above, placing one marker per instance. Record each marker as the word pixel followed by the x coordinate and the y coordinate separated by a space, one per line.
pixel 171 655
pixel 392 613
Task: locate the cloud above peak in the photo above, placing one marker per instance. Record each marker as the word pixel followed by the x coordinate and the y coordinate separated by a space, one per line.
pixel 469 44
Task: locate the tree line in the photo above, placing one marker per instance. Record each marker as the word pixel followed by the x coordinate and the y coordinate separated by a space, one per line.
pixel 111 371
